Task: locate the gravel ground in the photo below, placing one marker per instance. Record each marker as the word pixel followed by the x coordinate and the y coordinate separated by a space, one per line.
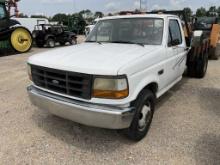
pixel 185 129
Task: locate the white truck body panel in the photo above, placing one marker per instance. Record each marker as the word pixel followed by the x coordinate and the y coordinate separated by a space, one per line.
pixel 30 23
pixel 140 64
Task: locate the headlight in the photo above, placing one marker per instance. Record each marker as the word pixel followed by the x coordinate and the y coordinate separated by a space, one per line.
pixel 110 88
pixel 29 71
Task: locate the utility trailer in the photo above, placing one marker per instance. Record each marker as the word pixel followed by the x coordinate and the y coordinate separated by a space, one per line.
pixel 11 31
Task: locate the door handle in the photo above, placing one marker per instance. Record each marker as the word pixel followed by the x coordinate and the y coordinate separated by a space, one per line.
pixel 161 72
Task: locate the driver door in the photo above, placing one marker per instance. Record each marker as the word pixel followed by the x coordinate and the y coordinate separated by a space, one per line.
pixel 176 54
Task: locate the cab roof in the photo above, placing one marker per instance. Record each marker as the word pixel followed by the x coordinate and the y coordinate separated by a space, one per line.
pixel 162 16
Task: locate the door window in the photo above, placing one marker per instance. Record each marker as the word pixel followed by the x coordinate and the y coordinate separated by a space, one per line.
pixel 2 11
pixel 175 36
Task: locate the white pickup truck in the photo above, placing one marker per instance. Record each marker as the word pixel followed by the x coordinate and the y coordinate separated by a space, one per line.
pixel 112 79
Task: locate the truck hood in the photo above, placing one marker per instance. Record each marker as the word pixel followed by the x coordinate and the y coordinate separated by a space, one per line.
pixel 92 58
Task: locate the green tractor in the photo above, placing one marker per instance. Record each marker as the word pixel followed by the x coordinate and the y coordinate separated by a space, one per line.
pixel 11 31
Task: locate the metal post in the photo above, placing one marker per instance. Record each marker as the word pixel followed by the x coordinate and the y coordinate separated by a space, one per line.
pixel 146 5
pixel 140 5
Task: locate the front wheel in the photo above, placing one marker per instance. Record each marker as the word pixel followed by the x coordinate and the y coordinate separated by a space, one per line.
pixel 21 40
pixel 51 43
pixel 73 41
pixel 140 125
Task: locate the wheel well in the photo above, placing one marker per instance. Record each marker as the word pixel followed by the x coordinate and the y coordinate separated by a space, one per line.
pixel 152 86
pixel 50 37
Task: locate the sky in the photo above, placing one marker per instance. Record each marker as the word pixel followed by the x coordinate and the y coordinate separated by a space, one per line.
pixel 51 7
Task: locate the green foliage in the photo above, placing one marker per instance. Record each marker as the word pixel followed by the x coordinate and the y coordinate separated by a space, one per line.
pixel 218 10
pixel 201 12
pixel 212 11
pixel 61 18
pixel 77 22
pixel 98 14
pixel 38 16
pixel 189 13
pixel 22 15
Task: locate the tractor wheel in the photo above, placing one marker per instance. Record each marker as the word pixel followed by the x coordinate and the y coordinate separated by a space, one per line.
pixel 51 43
pixel 21 40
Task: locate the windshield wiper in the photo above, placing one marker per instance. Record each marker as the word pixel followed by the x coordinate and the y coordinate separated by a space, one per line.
pixel 128 42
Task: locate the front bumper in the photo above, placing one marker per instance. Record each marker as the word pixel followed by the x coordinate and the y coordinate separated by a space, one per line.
pixel 96 115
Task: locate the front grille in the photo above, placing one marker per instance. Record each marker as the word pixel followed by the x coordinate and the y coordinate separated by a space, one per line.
pixel 64 82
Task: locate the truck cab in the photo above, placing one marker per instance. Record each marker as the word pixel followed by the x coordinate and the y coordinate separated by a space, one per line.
pixel 112 79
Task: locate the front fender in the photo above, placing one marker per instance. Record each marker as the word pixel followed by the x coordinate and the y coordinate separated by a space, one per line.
pixel 138 83
pixel 13 22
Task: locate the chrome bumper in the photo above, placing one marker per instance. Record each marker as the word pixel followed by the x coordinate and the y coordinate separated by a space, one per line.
pixel 81 112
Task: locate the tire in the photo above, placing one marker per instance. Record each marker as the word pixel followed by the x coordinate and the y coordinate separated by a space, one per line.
pixel 21 40
pixel 198 67
pixel 73 41
pixel 140 125
pixel 39 44
pixel 191 69
pixel 201 66
pixel 50 43
pixel 62 43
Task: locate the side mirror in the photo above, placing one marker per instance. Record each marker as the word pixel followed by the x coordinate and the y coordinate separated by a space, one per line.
pixel 174 42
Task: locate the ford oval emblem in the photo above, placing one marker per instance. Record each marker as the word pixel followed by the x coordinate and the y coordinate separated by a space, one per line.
pixel 55 82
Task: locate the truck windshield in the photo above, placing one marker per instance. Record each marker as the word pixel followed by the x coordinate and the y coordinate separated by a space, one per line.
pixel 2 11
pixel 145 31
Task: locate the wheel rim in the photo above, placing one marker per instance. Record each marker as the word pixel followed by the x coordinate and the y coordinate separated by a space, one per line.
pixel 145 116
pixel 21 40
pixel 205 66
pixel 51 43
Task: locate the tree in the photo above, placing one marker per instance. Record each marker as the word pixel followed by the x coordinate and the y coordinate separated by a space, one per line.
pixel 218 10
pixel 77 23
pixel 189 13
pixel 159 10
pixel 61 18
pixel 212 11
pixel 86 14
pixel 98 14
pixel 201 12
pixel 22 15
pixel 38 16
